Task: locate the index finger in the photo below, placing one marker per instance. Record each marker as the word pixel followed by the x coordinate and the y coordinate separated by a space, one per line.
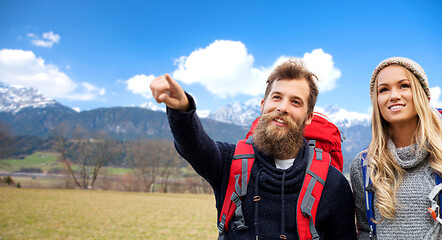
pixel 174 85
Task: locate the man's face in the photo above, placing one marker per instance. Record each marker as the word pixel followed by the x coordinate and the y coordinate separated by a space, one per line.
pixel 288 97
pixel 284 114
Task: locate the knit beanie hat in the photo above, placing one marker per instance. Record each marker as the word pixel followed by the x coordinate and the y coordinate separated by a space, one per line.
pixel 409 64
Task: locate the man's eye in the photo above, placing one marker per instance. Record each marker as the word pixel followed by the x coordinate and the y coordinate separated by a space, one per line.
pixel 296 102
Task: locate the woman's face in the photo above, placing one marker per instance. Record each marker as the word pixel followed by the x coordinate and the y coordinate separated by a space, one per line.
pixel 395 98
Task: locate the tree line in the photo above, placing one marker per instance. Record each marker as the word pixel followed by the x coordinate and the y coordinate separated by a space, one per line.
pixel 154 163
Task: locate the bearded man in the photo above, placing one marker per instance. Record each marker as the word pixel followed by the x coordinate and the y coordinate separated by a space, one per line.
pixel 281 154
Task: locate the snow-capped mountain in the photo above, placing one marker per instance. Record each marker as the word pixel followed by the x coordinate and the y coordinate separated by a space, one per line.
pixel 343 118
pixel 153 106
pixel 13 99
pixel 237 113
pixel 243 114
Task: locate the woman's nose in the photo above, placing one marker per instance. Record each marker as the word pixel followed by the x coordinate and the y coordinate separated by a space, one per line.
pixel 395 95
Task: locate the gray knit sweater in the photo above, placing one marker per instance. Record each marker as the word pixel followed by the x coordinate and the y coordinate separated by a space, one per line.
pixel 412 219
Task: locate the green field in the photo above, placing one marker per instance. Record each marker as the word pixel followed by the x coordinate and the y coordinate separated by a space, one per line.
pixel 46 161
pixel 81 214
pixel 42 160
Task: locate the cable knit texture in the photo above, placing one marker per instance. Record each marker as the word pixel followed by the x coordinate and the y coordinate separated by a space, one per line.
pixel 412 221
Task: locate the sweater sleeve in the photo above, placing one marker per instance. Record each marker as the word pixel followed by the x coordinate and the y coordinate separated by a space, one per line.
pixel 207 157
pixel 357 183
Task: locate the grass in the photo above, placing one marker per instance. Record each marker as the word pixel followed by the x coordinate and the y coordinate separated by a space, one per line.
pixel 47 161
pixel 43 160
pixel 117 171
pixel 81 214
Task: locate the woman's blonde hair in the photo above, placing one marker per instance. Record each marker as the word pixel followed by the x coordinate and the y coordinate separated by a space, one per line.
pixel 385 172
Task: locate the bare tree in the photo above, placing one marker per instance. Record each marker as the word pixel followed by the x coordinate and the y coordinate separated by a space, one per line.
pixel 83 154
pixel 169 165
pixel 103 148
pixel 90 154
pixel 151 160
pixel 61 145
pixel 145 168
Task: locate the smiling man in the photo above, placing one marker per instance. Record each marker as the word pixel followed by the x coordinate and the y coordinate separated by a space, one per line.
pixel 268 208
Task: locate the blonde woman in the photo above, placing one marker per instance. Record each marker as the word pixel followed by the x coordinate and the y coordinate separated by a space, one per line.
pixel 403 157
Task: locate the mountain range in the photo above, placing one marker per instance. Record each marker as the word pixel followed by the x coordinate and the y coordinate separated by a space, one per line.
pixel 28 112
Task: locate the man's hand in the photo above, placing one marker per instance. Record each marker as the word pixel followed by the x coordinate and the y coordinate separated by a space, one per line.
pixel 166 90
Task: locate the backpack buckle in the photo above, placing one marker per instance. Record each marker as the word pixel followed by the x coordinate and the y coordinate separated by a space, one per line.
pixel 221 225
pixel 432 213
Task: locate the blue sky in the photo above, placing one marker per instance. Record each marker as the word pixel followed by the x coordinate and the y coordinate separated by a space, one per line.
pixel 92 54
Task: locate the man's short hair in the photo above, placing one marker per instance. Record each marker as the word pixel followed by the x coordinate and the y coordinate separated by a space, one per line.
pixel 295 69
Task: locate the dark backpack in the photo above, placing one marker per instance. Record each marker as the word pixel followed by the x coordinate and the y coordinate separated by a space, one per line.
pixel 313 184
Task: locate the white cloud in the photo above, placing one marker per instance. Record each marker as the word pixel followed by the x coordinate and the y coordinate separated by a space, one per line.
pixel 225 68
pixel 203 113
pixel 140 84
pixel 87 92
pixel 435 100
pixel 89 88
pixel 19 67
pixel 49 38
pixel 322 65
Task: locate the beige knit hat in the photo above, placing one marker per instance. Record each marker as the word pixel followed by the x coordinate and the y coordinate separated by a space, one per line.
pixel 409 64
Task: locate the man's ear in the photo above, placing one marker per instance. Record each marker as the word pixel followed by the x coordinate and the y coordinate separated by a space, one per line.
pixel 262 106
pixel 309 118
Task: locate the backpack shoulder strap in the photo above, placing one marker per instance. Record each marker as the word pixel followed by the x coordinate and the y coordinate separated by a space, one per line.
pixel 242 163
pixel 311 191
pixel 368 190
pixel 435 195
pixel 438 182
pixel 435 199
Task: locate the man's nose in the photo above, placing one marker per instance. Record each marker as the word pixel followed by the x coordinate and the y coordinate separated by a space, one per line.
pixel 282 107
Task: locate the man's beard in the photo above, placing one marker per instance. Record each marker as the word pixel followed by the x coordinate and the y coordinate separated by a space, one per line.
pixel 276 141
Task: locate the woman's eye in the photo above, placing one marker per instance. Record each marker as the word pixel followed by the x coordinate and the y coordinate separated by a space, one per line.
pixel 405 86
pixel 381 90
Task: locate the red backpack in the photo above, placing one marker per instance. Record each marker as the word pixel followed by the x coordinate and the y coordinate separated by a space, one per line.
pixel 326 138
pixel 326 135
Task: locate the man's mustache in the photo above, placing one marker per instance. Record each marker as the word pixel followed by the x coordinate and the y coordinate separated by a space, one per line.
pixel 267 117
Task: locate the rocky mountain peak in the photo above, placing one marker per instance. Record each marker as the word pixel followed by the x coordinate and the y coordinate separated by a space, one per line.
pixel 15 98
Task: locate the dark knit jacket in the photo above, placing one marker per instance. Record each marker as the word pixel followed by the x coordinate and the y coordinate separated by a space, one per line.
pixel 275 214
